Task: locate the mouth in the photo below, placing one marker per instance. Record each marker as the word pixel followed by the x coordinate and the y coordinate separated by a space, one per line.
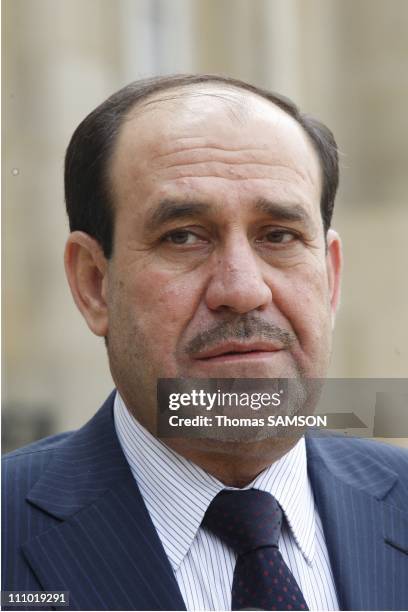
pixel 239 351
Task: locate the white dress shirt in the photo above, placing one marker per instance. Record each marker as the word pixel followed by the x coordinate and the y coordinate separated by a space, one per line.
pixel 177 494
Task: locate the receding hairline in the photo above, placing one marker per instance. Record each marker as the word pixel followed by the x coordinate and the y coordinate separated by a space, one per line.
pixel 240 99
pixel 89 200
pixel 238 106
pixel 155 101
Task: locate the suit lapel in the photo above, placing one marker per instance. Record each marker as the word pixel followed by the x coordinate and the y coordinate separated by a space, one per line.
pixel 366 536
pixel 106 551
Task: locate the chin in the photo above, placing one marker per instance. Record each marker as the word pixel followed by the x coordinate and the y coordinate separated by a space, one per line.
pixel 262 368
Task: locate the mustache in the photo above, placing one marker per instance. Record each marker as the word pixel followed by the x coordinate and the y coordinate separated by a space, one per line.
pixel 248 328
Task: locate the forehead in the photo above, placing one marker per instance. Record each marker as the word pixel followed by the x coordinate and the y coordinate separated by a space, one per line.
pixel 204 128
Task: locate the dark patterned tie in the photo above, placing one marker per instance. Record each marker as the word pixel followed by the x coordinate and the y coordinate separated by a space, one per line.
pixel 250 522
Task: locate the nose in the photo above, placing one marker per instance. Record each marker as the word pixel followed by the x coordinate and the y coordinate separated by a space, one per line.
pixel 237 282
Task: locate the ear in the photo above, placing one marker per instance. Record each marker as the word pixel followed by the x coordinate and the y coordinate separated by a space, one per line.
pixel 86 269
pixel 334 261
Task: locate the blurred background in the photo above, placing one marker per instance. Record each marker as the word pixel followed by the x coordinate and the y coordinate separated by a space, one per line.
pixel 344 61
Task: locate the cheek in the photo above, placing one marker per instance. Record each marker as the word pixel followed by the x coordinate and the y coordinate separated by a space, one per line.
pixel 304 300
pixel 163 305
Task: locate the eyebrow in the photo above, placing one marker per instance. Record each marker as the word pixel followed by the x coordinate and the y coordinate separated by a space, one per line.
pixel 284 212
pixel 171 210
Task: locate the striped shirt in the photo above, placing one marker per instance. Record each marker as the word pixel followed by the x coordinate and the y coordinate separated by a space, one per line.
pixel 177 494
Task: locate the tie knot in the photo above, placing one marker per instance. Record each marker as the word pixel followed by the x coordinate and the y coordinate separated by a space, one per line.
pixel 245 520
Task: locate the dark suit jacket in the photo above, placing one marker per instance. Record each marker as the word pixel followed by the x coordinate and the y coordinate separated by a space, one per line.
pixel 75 521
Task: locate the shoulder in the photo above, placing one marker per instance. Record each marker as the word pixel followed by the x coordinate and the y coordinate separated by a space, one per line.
pixel 390 453
pixel 65 455
pixel 27 463
pixel 355 465
pixel 358 453
pixel 341 443
pixel 40 446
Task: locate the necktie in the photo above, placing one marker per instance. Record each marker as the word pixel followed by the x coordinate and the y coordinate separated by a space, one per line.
pixel 250 522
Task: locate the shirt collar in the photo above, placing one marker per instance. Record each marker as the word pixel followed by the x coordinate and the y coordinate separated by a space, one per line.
pixel 177 492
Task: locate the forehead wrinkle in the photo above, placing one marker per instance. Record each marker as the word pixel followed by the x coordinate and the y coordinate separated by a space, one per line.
pixel 158 148
pixel 209 155
pixel 236 171
pixel 172 155
pixel 234 97
pixel 212 145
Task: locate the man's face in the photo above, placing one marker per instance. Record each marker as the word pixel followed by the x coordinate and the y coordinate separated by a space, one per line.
pixel 219 267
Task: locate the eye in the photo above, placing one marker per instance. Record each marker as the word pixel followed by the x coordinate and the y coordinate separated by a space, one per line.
pixel 181 237
pixel 278 236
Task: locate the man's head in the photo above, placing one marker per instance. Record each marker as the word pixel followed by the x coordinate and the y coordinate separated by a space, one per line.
pixel 200 212
pixel 88 191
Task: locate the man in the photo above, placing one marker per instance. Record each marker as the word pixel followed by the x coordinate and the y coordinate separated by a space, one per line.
pixel 201 247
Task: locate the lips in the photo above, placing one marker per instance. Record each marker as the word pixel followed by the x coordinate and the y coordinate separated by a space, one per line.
pixel 239 349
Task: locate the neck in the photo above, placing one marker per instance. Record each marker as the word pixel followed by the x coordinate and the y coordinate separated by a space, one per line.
pixel 235 464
